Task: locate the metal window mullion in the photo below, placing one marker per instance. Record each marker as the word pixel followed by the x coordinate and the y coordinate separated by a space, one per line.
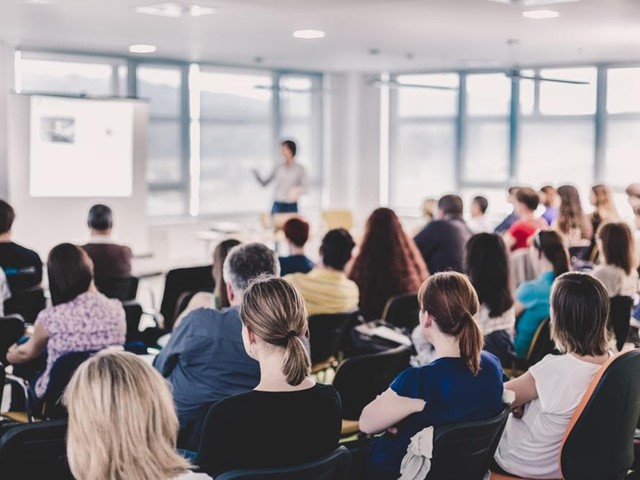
pixel 185 134
pixel 600 126
pixel 276 114
pixel 514 116
pixel 460 154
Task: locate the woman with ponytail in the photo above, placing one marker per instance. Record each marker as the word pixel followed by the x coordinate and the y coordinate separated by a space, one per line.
pixel 288 418
pixel 463 383
pixel 550 258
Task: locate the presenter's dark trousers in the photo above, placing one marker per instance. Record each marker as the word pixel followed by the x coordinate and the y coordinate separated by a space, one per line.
pixel 282 207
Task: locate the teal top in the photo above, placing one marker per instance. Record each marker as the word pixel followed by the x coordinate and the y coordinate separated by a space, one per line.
pixel 535 296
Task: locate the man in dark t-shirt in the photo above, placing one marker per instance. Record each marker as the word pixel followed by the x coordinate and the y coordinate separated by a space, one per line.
pixel 110 260
pixel 442 241
pixel 22 267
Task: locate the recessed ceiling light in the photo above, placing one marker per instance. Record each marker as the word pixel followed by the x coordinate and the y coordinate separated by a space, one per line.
pixel 309 34
pixel 142 48
pixel 175 10
pixel 540 14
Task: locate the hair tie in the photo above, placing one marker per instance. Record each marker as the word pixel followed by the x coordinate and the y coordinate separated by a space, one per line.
pixel 291 334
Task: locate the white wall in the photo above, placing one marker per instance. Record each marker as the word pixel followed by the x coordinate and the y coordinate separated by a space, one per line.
pixel 6 84
pixel 41 223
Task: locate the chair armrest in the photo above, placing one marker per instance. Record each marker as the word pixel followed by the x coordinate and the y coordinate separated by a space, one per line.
pixel 24 386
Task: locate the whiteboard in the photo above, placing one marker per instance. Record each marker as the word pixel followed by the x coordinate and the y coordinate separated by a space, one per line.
pixel 80 147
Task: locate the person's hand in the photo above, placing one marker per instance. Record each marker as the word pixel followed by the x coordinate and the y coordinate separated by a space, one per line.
pixel 392 430
pixel 12 352
pixel 518 411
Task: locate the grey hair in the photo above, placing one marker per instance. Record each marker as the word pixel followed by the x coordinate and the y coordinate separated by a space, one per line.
pixel 246 262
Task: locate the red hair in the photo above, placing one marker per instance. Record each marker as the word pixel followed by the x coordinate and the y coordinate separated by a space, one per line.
pixel 388 264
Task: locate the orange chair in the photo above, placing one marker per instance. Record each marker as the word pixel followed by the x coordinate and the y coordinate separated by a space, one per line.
pixel 598 442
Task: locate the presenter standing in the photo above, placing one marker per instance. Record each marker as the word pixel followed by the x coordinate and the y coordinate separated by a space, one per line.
pixel 290 180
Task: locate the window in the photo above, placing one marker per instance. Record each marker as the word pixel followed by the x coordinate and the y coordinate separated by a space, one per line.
pixel 67 75
pixel 167 161
pixel 423 152
pixel 565 98
pixel 486 147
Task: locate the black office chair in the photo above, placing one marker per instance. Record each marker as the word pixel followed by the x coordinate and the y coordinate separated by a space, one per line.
pixel 26 303
pixel 360 379
pixel 60 376
pixel 619 318
pixel 11 329
pixel 541 345
pixel 178 281
pixel 32 451
pixel 325 335
pixel 133 314
pixel 335 466
pixel 465 450
pixel 183 302
pixel 121 288
pixel 402 311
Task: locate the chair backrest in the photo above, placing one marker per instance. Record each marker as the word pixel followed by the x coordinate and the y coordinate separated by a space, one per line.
pixel 183 302
pixel 325 334
pixel 133 313
pixel 121 288
pixel 465 450
pixel 11 329
pixel 335 466
pixel 599 439
pixel 402 311
pixel 27 303
pixel 619 318
pixel 360 379
pixel 32 451
pixel 61 373
pixel 179 281
pixel 541 344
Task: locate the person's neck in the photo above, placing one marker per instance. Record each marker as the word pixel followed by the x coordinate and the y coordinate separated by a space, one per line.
pixel 445 346
pixel 322 266
pixel 5 237
pixel 595 359
pixel 527 216
pixel 295 250
pixel 477 216
pixel 272 379
pixel 100 233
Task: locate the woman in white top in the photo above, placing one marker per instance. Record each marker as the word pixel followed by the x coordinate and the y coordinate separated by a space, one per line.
pixel 122 422
pixel 618 270
pixel 548 394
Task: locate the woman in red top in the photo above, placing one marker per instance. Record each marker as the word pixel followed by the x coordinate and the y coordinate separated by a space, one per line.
pixel 522 230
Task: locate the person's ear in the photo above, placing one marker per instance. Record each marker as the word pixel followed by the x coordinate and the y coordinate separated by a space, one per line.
pixel 231 295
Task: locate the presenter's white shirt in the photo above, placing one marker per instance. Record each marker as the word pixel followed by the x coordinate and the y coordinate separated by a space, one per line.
pixel 530 446
pixel 290 181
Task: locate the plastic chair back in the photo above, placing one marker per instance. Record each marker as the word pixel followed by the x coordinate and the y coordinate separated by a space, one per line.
pixel 542 344
pixel 61 373
pixel 326 333
pixel 402 311
pixel 178 281
pixel 27 303
pixel 11 329
pixel 121 288
pixel 335 466
pixel 619 318
pixel 360 379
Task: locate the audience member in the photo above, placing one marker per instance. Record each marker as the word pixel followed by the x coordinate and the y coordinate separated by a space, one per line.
pixel 22 267
pixel 513 216
pixel 479 222
pixel 387 265
pixel 636 230
pixel 80 320
pixel 604 209
pixel 552 389
pixel 633 194
pixel 326 288
pixel 428 210
pixel 441 243
pixel 5 293
pixel 518 235
pixel 618 270
pixel 571 221
pixel 110 260
pixel 122 423
pixel 549 198
pixel 489 272
pixel 288 419
pixel 296 231
pixel 461 384
pixel 551 259
pixel 205 360
pixel 219 299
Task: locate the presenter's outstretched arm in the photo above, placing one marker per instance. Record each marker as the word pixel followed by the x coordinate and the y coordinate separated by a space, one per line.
pixel 261 181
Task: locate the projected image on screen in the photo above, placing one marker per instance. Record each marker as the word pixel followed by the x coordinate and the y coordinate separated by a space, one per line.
pixel 59 130
pixel 81 147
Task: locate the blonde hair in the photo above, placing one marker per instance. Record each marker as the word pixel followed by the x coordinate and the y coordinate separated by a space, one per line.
pixel 274 311
pixel 122 422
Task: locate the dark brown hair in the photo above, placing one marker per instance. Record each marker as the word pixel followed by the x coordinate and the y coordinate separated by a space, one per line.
pixel 219 256
pixel 618 246
pixel 571 215
pixel 389 263
pixel 549 195
pixel 528 197
pixel 297 231
pixel 7 217
pixel 550 244
pixel 70 272
pixel 274 311
pixel 579 313
pixel 451 300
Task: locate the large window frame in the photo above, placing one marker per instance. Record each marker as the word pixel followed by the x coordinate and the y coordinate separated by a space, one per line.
pixel 189 119
pixel 598 121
